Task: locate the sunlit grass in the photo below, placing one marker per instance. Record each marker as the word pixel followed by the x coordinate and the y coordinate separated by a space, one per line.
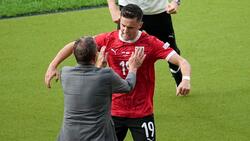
pixel 211 35
pixel 10 8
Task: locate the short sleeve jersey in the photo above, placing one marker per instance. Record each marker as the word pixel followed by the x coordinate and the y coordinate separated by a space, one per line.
pixel 139 102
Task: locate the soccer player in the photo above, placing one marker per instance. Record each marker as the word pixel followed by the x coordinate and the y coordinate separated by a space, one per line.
pixel 87 94
pixel 135 110
pixel 156 21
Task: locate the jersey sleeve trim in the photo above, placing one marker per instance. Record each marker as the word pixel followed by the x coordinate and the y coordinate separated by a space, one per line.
pixel 170 55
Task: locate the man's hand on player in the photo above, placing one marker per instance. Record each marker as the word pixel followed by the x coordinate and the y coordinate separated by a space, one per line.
pixel 102 58
pixel 136 59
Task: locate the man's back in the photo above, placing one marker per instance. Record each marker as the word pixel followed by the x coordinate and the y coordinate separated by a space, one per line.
pixel 86 89
pixel 87 100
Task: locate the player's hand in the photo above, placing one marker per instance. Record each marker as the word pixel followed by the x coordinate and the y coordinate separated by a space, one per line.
pixel 136 59
pixel 183 88
pixel 102 58
pixel 51 72
pixel 172 7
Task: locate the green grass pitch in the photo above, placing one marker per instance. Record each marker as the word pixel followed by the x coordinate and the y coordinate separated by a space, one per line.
pixel 213 35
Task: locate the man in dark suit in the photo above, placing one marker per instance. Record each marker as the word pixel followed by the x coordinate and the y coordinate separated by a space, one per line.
pixel 88 91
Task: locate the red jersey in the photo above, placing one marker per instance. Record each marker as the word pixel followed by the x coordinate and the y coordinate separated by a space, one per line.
pixel 139 102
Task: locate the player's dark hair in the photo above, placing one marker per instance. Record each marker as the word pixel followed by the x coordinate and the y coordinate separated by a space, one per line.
pixel 85 50
pixel 132 11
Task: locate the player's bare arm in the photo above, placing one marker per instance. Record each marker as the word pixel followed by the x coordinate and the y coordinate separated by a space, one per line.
pixel 185 85
pixel 114 11
pixel 52 69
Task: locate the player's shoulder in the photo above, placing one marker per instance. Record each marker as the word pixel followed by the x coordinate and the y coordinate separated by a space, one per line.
pixel 108 34
pixel 149 38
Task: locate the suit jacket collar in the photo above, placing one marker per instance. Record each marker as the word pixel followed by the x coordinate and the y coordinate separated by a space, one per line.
pixel 85 65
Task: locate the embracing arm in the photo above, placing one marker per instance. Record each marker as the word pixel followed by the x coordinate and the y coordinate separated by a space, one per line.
pixel 61 55
pixel 185 86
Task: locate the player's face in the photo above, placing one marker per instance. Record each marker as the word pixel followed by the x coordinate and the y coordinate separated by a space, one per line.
pixel 129 28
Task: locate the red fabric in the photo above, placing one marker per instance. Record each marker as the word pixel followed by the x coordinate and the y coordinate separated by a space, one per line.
pixel 139 102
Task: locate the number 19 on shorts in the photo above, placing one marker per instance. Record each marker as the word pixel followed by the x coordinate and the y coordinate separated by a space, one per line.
pixel 149 130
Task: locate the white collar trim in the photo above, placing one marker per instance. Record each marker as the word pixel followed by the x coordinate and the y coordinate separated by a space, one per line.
pixel 130 41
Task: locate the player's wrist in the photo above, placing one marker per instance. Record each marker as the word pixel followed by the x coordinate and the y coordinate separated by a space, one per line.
pixel 186 77
pixel 52 66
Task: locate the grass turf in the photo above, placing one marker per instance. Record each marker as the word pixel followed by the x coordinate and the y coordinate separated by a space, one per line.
pixel 213 36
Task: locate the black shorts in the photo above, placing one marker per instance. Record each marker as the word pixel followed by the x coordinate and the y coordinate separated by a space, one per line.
pixel 142 129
